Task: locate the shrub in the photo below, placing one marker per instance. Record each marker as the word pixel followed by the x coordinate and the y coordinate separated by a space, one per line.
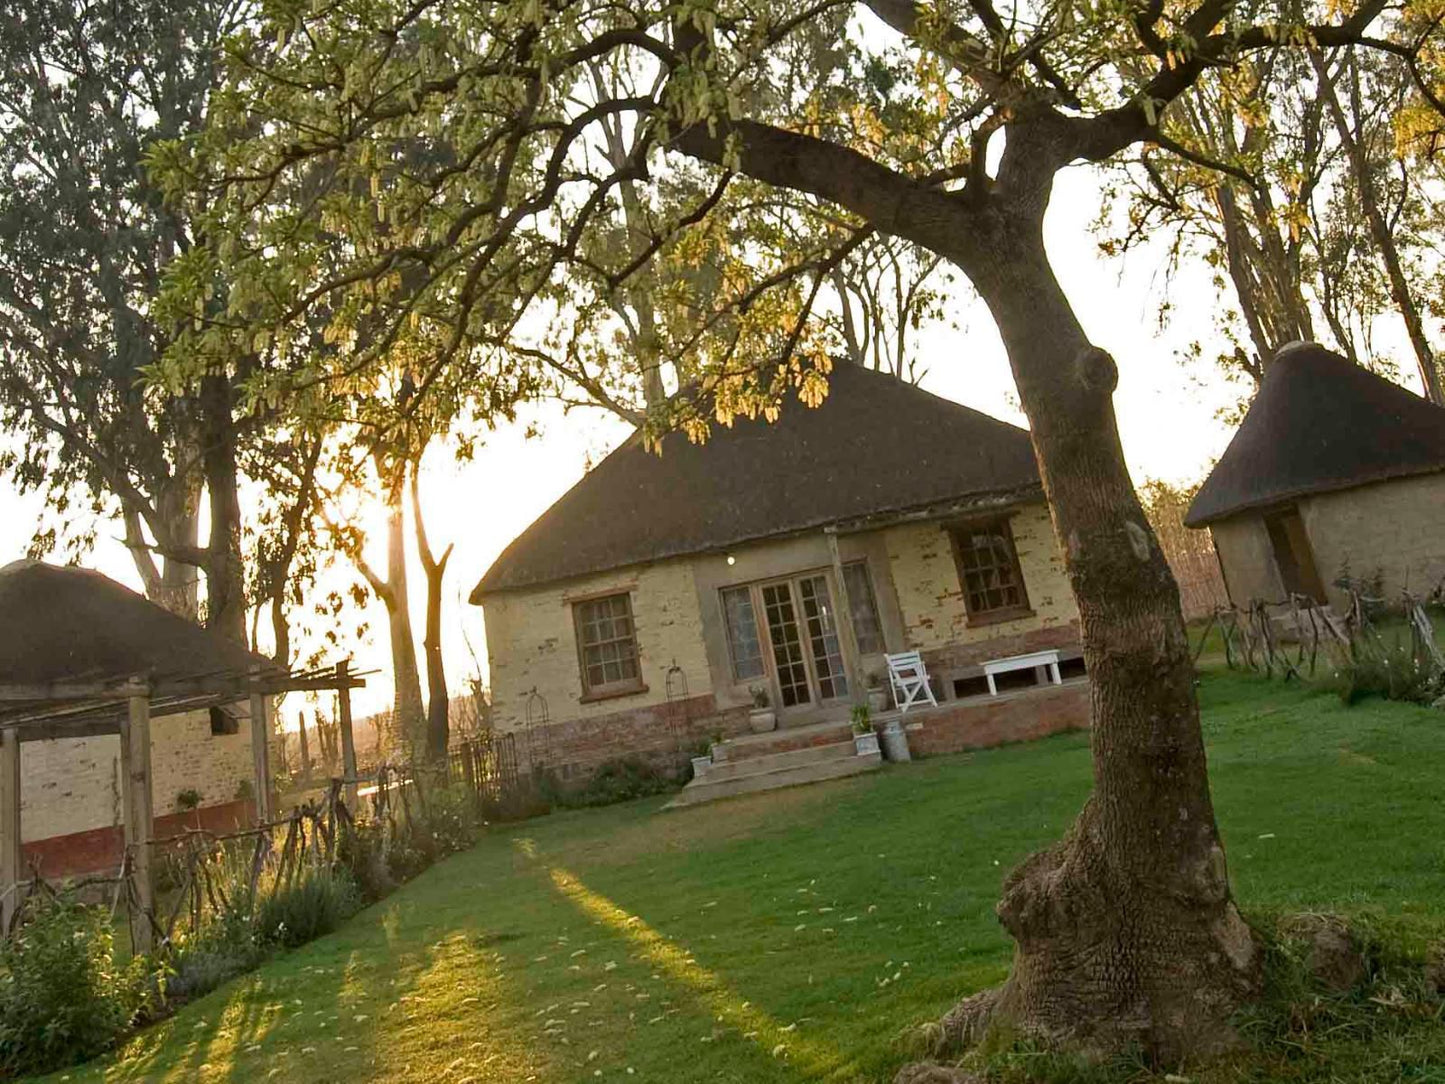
pixel 1391 667
pixel 358 851
pixel 620 780
pixel 63 995
pixel 313 903
pixel 225 947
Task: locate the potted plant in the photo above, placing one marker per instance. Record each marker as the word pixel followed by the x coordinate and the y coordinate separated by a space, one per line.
pixel 761 718
pixel 701 759
pixel 865 742
pixel 877 693
pixel 189 801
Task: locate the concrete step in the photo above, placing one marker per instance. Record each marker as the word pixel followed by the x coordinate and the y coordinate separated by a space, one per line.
pixel 782 740
pixel 791 758
pixel 707 789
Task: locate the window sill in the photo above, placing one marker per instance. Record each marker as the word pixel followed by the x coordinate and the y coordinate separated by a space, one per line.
pixel 998 617
pixel 615 692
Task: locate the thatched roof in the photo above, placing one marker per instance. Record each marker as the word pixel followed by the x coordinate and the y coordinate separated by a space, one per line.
pixel 67 625
pixel 876 445
pixel 1320 423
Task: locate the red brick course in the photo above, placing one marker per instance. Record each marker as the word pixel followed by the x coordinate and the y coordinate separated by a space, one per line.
pixel 976 724
pixel 665 735
pixel 958 656
pixel 99 849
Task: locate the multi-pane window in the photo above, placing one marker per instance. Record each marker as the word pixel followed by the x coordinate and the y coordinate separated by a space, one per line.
pixel 787 644
pixel 863 605
pixel 742 627
pixel 988 567
pixel 608 644
pixel 823 638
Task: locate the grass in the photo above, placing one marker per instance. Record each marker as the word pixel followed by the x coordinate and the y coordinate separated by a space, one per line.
pixel 797 935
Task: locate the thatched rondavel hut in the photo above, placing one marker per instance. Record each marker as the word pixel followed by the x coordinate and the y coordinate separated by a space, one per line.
pixel 1336 477
pixel 65 632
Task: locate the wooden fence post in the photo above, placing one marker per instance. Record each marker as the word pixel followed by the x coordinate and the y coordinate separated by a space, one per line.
pixel 260 749
pixel 11 854
pixel 348 744
pixel 139 814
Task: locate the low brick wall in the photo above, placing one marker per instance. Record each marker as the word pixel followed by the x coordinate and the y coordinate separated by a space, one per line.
pixel 98 850
pixel 976 724
pixel 665 735
pixel 972 655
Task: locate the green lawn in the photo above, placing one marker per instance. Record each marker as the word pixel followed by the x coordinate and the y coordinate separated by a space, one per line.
pixel 792 936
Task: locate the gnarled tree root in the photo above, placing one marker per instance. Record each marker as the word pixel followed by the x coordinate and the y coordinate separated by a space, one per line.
pixel 1114 959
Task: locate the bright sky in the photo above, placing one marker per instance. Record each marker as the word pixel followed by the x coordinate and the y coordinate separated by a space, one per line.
pixel 1166 416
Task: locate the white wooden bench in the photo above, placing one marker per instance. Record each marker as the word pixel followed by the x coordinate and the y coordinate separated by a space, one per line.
pixel 1022 662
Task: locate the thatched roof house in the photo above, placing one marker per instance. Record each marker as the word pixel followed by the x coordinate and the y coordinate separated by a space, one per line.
pixel 62 624
pixel 72 642
pixel 782 560
pixel 876 446
pixel 1335 476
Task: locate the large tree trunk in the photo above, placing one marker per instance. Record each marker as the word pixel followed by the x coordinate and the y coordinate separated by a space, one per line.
pixel 1126 929
pixel 225 573
pixel 407 714
pixel 438 716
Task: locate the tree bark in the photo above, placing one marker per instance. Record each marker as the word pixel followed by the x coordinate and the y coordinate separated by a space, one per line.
pixel 407 713
pixel 1381 233
pixel 1126 930
pixel 438 720
pixel 225 574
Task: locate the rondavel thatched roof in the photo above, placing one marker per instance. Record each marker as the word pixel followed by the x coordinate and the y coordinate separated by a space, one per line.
pixel 1320 423
pixel 875 446
pixel 66 625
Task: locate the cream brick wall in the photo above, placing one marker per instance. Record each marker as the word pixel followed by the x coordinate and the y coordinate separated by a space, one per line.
pixel 1395 527
pixel 532 642
pixel 1247 559
pixel 73 784
pixel 930 596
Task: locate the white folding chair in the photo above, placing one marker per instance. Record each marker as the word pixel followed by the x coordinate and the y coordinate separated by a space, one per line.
pixel 909 678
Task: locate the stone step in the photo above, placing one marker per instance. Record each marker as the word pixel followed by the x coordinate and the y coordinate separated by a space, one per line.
pixel 791 758
pixel 782 740
pixel 703 790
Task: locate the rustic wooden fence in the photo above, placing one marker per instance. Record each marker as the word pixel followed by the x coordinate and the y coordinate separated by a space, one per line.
pixel 1293 636
pixel 212 874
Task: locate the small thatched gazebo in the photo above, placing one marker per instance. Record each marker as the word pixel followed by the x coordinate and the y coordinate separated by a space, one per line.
pixel 82 655
pixel 1335 475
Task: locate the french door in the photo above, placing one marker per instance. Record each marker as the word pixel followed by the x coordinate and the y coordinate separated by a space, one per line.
pixel 802 632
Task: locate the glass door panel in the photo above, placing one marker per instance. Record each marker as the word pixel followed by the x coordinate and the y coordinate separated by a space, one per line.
pixel 827 654
pixel 787 644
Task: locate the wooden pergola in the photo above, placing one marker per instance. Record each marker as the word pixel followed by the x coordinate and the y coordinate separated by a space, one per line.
pixel 81 656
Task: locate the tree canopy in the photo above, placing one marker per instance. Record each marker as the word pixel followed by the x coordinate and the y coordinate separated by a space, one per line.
pixel 425 184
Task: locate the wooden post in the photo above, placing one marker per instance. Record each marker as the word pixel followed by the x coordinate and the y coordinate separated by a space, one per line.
pixel 261 750
pixel 305 748
pixel 135 737
pixel 348 745
pixel 852 663
pixel 11 855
